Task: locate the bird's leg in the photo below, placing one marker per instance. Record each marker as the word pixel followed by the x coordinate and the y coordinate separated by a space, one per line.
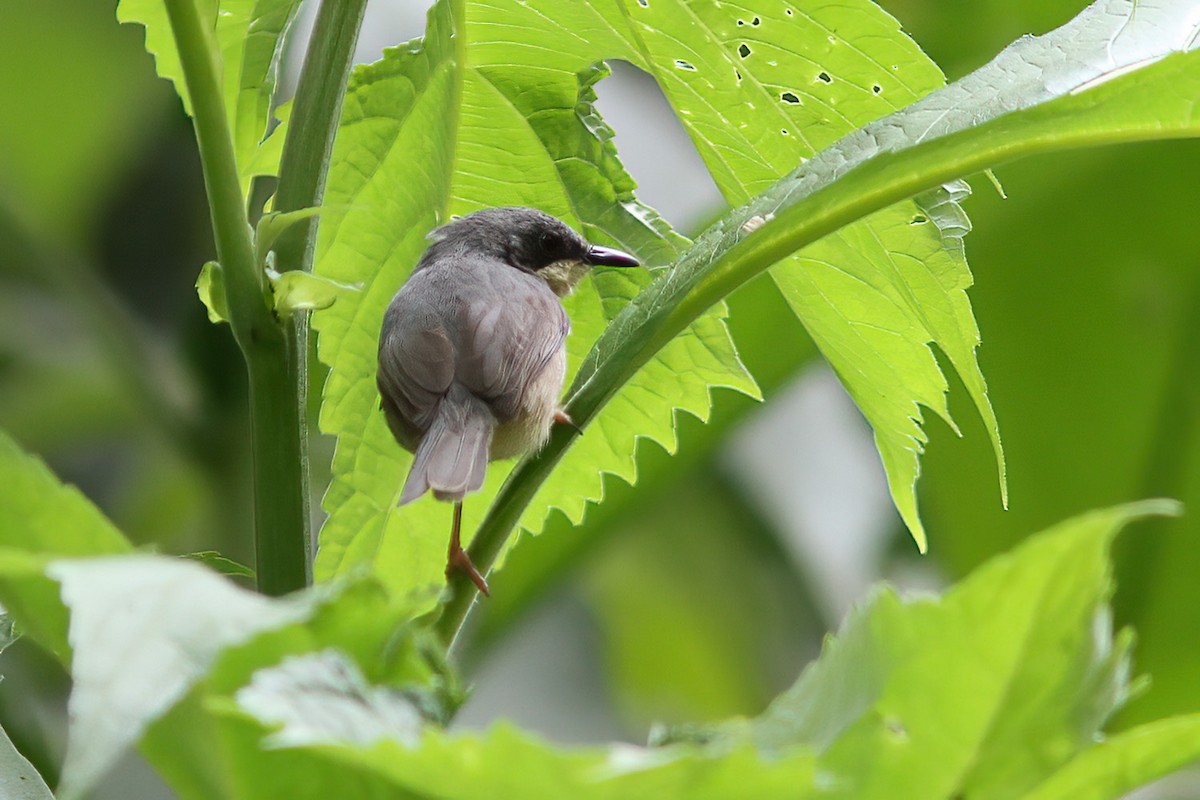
pixel 457 558
pixel 563 418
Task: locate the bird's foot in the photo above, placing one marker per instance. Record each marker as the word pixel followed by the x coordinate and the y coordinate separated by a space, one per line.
pixel 459 561
pixel 563 418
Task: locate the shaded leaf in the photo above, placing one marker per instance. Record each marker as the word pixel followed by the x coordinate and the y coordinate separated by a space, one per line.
pixel 19 780
pixel 248 37
pixel 43 515
pixel 219 563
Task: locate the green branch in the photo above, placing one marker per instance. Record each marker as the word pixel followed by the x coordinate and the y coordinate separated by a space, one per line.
pixel 706 274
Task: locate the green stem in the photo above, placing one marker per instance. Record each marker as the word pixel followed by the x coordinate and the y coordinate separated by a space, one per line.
pixel 313 124
pixel 685 292
pixel 280 503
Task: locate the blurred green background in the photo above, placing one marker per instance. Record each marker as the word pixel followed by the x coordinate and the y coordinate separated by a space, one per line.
pixel 701 592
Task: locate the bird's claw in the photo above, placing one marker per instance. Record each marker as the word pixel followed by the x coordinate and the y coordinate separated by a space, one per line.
pixel 461 562
pixel 563 418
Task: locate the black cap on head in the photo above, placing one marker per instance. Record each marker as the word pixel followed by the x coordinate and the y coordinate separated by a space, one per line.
pixel 527 239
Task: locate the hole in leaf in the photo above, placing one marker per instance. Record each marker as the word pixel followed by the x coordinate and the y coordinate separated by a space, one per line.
pixel 788 97
pixel 787 11
pixel 756 21
pixel 681 64
pixel 741 22
pixel 919 219
pixel 738 72
pixel 876 88
pixel 744 50
pixel 824 77
pixel 655 148
pixel 896 728
pixel 644 3
pixel 784 131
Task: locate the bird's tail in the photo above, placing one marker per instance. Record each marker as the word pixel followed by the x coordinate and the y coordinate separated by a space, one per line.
pixel 452 456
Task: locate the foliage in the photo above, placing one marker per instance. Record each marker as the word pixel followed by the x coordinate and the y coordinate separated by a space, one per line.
pixel 1001 687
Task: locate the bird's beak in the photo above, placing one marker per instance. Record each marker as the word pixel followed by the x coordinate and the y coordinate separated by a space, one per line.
pixel 608 257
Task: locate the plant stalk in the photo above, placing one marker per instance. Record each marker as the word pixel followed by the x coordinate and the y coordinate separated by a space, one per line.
pixel 280 502
pixel 682 295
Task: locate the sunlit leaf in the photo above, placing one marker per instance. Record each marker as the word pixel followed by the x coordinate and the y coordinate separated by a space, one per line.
pixel 295 290
pixel 1116 766
pixel 980 693
pixel 273 225
pixel 323 697
pixel 210 287
pixel 1095 81
pixel 553 154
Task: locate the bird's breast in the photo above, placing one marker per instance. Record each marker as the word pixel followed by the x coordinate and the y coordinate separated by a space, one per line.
pixel 529 429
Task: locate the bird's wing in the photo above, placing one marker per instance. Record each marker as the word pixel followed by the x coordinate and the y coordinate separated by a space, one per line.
pixel 416 367
pixel 508 338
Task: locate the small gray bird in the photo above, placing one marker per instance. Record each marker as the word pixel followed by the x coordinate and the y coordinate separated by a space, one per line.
pixel 472 352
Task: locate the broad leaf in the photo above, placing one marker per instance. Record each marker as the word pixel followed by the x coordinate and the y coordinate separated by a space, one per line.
pixel 1105 77
pixel 42 515
pixel 248 37
pixel 1121 764
pixel 143 629
pixel 980 693
pixel 19 780
pixel 323 697
pixel 483 127
pixel 760 91
pixel 986 692
pixel 43 519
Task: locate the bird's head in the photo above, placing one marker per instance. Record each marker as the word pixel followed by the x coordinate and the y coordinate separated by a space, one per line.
pixel 531 241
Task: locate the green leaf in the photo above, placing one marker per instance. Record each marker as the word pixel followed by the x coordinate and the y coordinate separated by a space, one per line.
pixel 987 692
pixel 19 780
pixel 143 630
pixel 526 115
pixel 42 515
pixel 1059 91
pixel 754 113
pixel 503 762
pixel 981 693
pixel 294 291
pixel 273 225
pixel 358 644
pixel 219 563
pixel 1121 764
pixel 323 697
pixel 248 42
pixel 762 91
pixel 210 286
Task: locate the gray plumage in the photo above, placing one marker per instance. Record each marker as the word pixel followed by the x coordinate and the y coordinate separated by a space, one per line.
pixel 472 351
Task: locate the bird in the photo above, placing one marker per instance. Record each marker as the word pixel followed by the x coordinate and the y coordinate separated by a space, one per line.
pixel 472 351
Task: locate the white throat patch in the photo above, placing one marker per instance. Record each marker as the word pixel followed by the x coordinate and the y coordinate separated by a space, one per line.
pixel 563 276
